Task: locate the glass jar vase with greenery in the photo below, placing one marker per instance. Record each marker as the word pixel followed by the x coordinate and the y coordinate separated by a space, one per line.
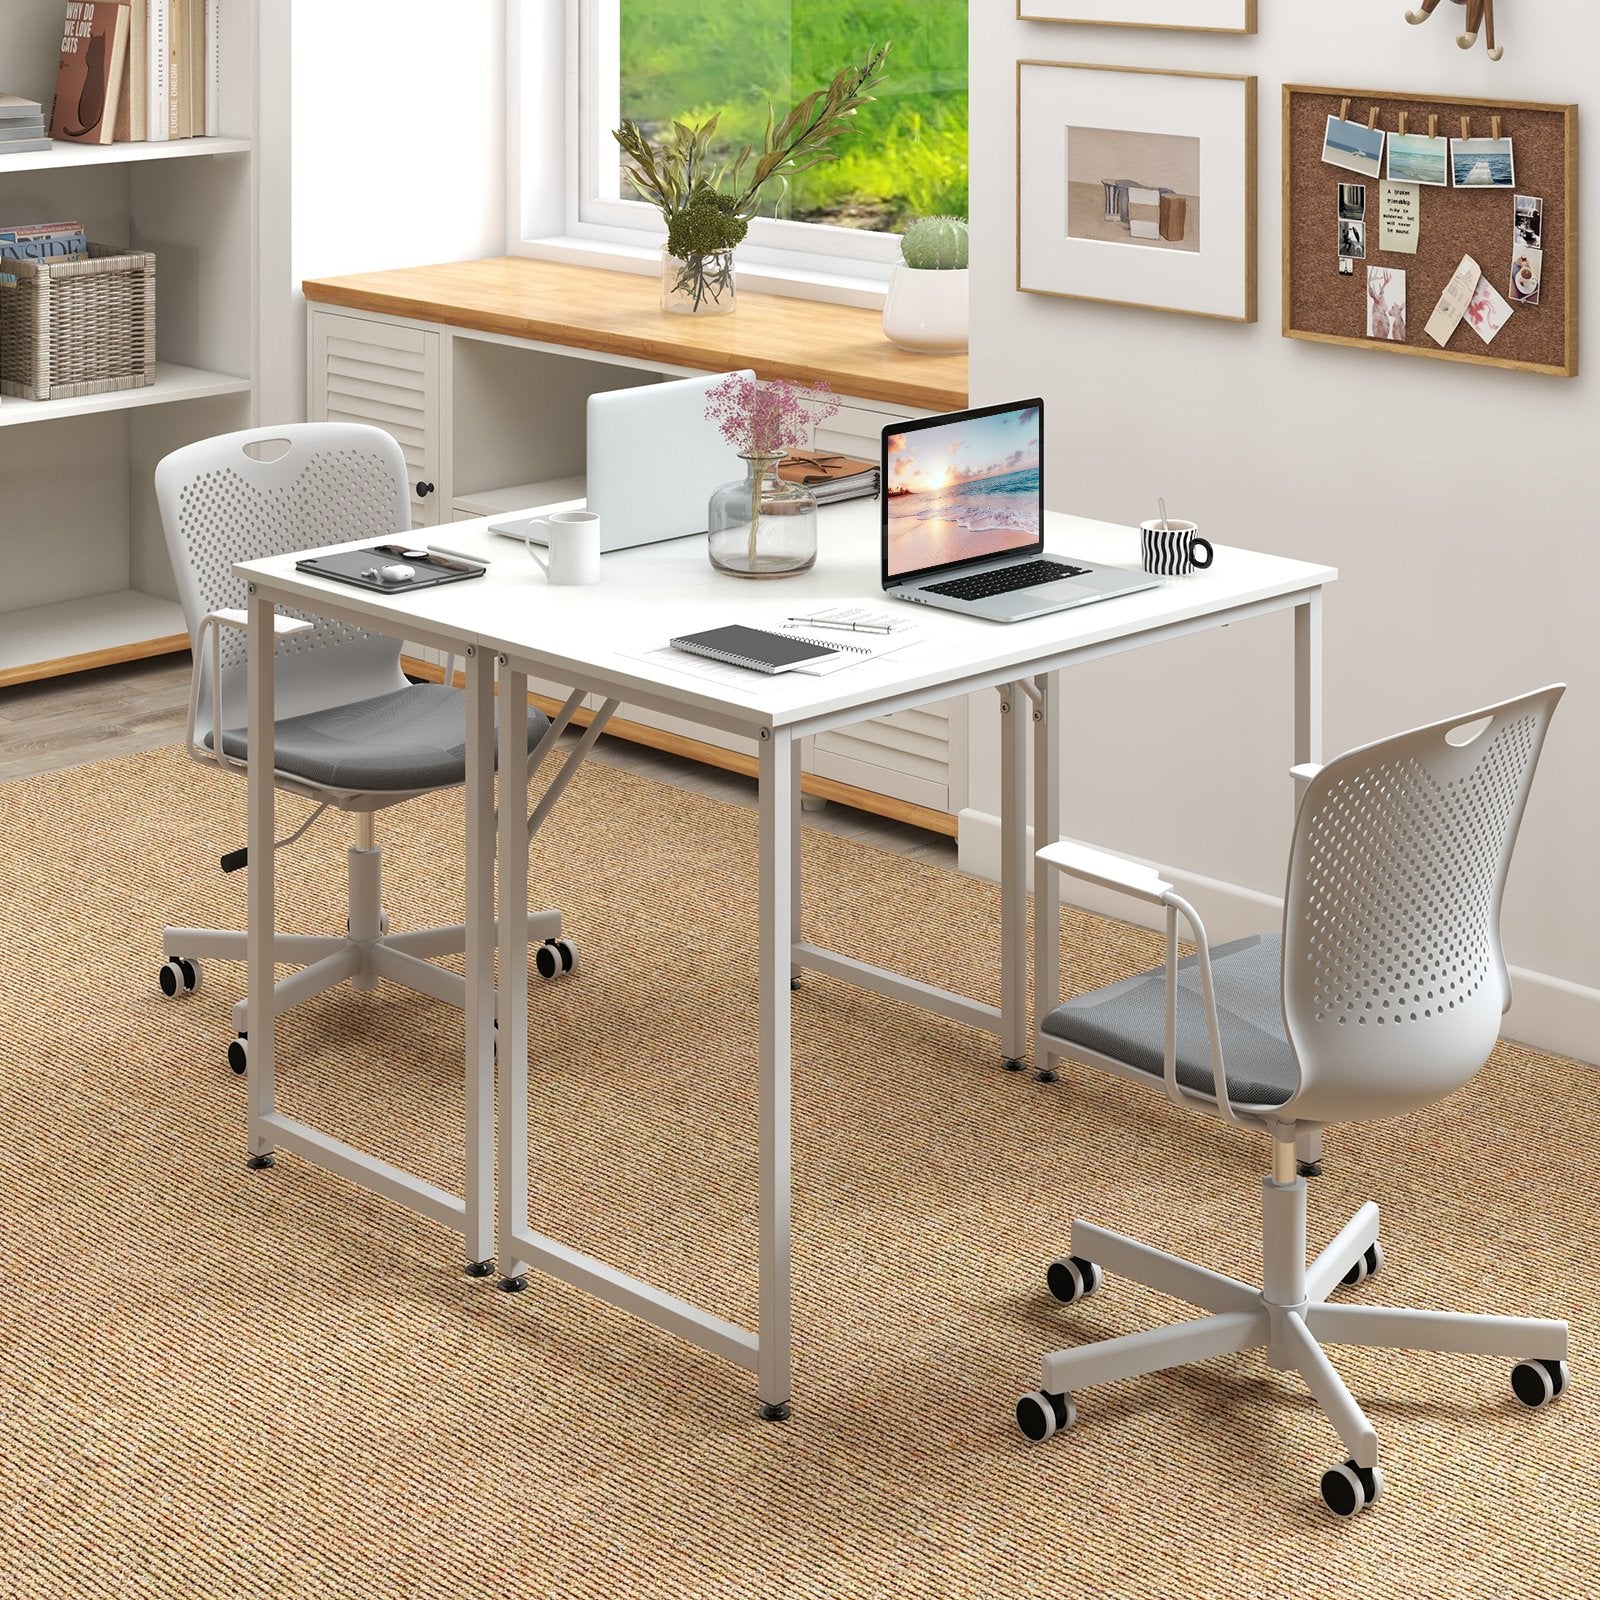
pixel 707 196
pixel 761 526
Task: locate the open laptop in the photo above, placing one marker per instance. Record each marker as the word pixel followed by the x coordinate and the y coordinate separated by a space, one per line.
pixel 653 459
pixel 963 519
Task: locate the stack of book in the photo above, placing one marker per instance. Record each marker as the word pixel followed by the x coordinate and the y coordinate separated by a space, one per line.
pixel 831 478
pixel 136 70
pixel 21 125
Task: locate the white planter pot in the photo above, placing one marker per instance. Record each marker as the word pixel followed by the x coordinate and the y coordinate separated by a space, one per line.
pixel 927 311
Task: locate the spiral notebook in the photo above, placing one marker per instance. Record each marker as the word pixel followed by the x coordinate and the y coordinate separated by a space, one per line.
pixel 754 648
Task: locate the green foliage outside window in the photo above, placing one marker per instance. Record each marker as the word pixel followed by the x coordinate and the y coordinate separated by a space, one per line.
pixel 907 155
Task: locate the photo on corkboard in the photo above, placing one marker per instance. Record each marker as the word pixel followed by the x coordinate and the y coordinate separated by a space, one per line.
pixel 1386 303
pixel 1482 164
pixel 1352 201
pixel 1527 267
pixel 1415 158
pixel 1353 146
pixel 1353 240
pixel 1527 220
pixel 1133 188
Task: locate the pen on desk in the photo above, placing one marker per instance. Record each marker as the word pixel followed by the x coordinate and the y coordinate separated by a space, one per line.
pixel 844 627
pixel 447 558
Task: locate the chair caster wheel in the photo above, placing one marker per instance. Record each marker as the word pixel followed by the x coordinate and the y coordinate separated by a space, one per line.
pixel 261 1163
pixel 512 1285
pixel 1537 1383
pixel 1349 1489
pixel 239 1055
pixel 479 1269
pixel 1013 1065
pixel 1370 1261
pixel 1040 1414
pixel 178 975
pixel 778 1413
pixel 1071 1278
pixel 555 957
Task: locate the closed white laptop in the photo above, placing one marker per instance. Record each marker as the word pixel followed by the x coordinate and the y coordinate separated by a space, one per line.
pixel 653 460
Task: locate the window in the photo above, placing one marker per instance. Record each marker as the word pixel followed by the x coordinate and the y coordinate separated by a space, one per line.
pixel 656 61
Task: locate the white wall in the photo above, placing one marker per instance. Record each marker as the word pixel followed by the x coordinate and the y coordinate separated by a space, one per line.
pixel 397 138
pixel 1452 499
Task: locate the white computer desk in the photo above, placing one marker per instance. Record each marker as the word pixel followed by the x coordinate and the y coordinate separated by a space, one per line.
pixel 514 623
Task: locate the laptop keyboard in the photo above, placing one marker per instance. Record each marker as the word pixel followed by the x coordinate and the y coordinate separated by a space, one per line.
pixel 1026 575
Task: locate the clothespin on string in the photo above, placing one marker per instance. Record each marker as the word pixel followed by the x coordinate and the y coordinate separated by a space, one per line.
pixel 1372 119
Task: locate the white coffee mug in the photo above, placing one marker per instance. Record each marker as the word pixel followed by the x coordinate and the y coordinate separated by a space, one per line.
pixel 574 540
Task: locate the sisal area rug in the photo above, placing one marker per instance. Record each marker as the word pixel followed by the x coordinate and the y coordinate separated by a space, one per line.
pixel 218 1382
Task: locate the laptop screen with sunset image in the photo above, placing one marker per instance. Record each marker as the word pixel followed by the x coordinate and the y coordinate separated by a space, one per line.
pixel 963 488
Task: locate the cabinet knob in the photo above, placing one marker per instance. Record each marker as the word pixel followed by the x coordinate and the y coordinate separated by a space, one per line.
pixel 424 490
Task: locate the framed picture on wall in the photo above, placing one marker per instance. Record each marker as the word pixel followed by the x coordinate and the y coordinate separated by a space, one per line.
pixel 1198 16
pixel 1137 187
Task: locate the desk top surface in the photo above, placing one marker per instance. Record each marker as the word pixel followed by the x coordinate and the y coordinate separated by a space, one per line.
pixel 594 636
pixel 619 314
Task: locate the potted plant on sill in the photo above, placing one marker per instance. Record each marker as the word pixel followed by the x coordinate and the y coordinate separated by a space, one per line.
pixel 926 308
pixel 707 203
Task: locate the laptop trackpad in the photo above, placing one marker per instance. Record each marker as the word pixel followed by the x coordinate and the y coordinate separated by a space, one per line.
pixel 1048 597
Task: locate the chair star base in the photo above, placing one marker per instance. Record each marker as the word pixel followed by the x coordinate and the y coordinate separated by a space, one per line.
pixel 364 953
pixel 1291 1327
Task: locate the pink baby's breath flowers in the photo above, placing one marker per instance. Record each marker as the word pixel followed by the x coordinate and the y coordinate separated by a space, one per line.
pixel 768 416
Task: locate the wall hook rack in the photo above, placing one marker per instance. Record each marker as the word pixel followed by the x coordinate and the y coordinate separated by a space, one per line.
pixel 1480 19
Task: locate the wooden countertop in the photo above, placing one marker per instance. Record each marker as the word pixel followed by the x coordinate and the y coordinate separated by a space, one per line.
pixel 617 313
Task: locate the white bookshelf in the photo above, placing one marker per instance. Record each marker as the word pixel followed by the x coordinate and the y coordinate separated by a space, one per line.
pixel 72 157
pixel 172 383
pixel 88 579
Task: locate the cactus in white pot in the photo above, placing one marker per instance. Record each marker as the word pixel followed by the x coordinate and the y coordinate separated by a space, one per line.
pixel 926 308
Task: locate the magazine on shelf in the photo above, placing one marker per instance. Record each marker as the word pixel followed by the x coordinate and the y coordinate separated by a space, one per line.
pixel 41 241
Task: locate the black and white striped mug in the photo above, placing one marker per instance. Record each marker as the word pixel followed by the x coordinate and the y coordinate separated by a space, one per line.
pixel 1172 548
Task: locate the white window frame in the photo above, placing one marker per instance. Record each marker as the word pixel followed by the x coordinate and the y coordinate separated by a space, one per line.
pixel 563 200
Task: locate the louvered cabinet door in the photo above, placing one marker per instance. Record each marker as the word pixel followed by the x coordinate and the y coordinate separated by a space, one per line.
pixel 386 374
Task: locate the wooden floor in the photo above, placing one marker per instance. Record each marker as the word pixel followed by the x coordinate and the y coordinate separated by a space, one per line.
pixel 68 722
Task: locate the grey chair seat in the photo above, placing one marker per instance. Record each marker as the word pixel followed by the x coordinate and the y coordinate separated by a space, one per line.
pixel 414 738
pixel 1127 1021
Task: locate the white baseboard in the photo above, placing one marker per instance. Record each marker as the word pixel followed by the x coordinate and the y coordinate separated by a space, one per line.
pixel 1546 1013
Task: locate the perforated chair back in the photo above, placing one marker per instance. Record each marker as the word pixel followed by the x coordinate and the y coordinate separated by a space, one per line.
pixel 265 492
pixel 1394 982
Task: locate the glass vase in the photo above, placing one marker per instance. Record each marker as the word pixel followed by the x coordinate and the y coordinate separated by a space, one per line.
pixel 697 286
pixel 759 526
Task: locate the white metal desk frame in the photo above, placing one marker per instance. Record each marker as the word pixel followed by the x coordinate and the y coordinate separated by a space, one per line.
pixel 440 617
pixel 782 953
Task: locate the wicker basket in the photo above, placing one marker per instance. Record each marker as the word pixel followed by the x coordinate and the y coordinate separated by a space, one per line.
pixel 79 327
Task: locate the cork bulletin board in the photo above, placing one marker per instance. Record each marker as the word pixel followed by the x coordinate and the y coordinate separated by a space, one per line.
pixel 1322 304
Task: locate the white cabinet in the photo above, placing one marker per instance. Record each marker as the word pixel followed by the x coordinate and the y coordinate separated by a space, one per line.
pixel 87 579
pixel 492 423
pixel 385 374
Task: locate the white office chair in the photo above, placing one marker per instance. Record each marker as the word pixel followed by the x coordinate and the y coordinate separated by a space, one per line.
pixel 351 731
pixel 1383 993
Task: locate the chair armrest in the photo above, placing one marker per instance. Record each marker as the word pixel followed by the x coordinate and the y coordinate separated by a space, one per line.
pixel 1176 908
pixel 1107 869
pixel 213 622
pixel 1306 771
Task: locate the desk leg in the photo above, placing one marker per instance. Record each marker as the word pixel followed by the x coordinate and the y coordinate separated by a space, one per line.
pixel 1046 885
pixel 796 855
pixel 779 848
pixel 1013 877
pixel 1308 747
pixel 512 1001
pixel 479 913
pixel 262 882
